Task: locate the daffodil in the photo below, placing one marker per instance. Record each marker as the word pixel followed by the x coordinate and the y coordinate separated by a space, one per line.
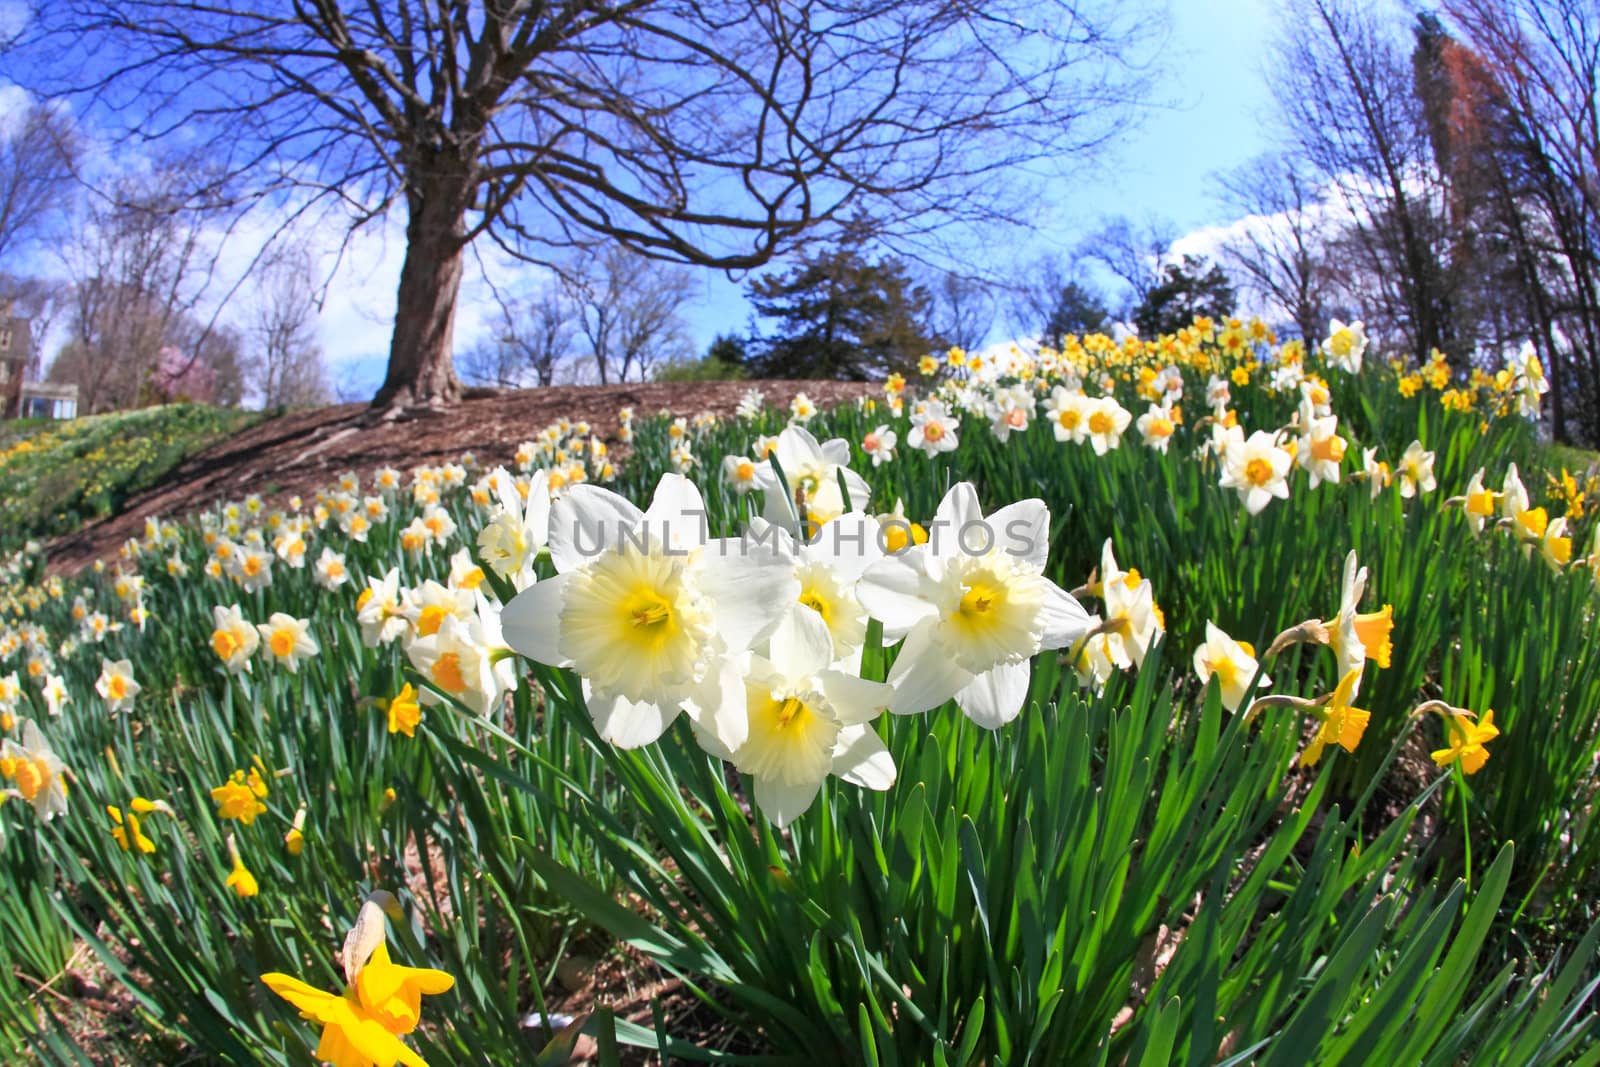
pixel 648 610
pixel 380 612
pixel 362 1026
pixel 933 430
pixel 880 443
pixel 404 711
pixel 807 721
pixel 1232 663
pixel 116 685
pixel 1478 503
pixel 1156 427
pixel 1105 421
pixel 1340 723
pixel 973 606
pixel 35 771
pixel 812 470
pixel 288 640
pixel 240 796
pixel 233 639
pixel 1359 636
pixel 1257 468
pixel 1345 346
pixel 519 529
pixel 739 474
pixel 127 831
pixel 1321 449
pixel 330 570
pixel 1415 471
pixel 465 659
pixel 1468 738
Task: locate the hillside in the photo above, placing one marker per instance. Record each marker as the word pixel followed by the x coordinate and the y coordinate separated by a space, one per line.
pixel 298 453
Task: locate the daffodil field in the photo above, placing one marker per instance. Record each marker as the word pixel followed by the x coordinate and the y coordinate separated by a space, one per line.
pixel 1202 700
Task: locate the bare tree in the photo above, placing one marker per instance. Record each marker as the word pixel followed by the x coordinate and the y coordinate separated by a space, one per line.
pixel 628 311
pixel 37 157
pixel 136 274
pixel 1133 252
pixel 531 339
pixel 718 133
pixel 286 367
pixel 1346 86
pixel 964 310
pixel 1282 245
pixel 1543 60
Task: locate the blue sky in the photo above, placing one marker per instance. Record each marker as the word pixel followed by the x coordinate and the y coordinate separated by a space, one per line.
pixel 1213 112
pixel 1218 115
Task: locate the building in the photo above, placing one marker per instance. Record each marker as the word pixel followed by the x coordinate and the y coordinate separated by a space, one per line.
pixel 20 397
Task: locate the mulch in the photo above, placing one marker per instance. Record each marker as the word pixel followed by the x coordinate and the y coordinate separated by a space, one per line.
pixel 303 451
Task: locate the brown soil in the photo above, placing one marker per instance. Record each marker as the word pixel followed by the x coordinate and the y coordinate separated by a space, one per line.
pixel 303 451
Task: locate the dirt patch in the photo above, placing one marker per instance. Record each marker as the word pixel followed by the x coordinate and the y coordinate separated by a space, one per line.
pixel 303 451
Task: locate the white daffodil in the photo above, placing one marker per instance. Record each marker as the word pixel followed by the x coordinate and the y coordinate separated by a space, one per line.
pixel 1132 621
pixel 1321 449
pixel 464 573
pixel 1232 663
pixel 880 444
pixel 1345 346
pixel 1258 469
pixel 1358 636
pixel 330 570
pixel 232 638
pixel 55 693
pixel 650 611
pixel 465 659
pixel 427 606
pixel 1156 427
pixel 1105 420
pixel 812 470
pixel 973 606
pixel 290 547
pixel 1010 411
pixel 288 640
pixel 380 612
pixel 1067 413
pixel 519 529
pixel 933 429
pixel 1478 503
pixel 1513 495
pixel 116 685
pixel 1376 472
pixel 806 721
pixel 1415 471
pixel 35 772
pixel 739 474
pixel 251 568
pixel 827 567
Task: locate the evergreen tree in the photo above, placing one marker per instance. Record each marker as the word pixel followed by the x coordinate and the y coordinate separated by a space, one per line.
pixel 839 315
pixel 1193 287
pixel 1078 310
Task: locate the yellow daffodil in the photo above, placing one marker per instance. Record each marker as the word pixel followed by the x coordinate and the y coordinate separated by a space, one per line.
pixel 1341 724
pixel 404 711
pixel 1468 739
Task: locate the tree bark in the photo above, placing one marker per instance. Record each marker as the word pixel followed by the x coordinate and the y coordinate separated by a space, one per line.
pixel 421 368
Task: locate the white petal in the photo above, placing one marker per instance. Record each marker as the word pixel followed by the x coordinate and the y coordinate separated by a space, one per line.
pixel 892 591
pixel 531 623
pixel 854 699
pixel 752 592
pixel 1023 530
pixel 718 708
pixel 677 513
pixel 860 758
pixel 850 544
pixel 801 645
pixel 783 802
pixel 1065 620
pixel 629 723
pixel 958 510
pixel 586 521
pixel 924 676
pixel 995 697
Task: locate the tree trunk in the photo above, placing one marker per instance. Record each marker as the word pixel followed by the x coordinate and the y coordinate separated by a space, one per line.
pixel 421 368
